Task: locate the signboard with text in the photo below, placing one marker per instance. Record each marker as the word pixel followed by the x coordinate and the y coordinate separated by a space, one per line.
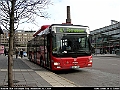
pixel 70 30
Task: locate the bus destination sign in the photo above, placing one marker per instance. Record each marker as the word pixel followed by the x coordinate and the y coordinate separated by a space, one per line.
pixel 70 30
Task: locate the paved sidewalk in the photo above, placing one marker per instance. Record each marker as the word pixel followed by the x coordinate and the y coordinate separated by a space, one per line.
pixel 28 74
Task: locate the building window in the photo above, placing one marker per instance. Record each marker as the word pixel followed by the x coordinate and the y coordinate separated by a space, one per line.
pixel 25 34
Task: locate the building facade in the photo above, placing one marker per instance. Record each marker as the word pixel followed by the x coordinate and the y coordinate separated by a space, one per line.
pixel 1 46
pixel 106 39
pixel 21 38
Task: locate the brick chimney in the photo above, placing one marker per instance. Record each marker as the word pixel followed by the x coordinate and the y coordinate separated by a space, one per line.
pixel 68 20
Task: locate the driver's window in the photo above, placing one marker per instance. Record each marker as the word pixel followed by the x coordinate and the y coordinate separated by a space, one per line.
pixel 83 42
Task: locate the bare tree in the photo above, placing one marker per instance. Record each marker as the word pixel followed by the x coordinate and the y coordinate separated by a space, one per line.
pixel 15 12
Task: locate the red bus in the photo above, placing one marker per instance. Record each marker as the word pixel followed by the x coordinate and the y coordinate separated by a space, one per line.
pixel 61 46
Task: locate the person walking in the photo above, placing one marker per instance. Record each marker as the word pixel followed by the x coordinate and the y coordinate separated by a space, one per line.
pixel 5 51
pixel 17 52
pixel 21 53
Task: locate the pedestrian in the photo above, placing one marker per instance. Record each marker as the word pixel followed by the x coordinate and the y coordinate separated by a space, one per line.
pixel 21 53
pixel 5 52
pixel 17 52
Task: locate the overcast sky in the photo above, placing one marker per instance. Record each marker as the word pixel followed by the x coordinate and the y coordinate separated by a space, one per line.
pixel 93 13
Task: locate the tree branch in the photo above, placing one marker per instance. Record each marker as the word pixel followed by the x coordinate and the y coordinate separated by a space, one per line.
pixel 25 11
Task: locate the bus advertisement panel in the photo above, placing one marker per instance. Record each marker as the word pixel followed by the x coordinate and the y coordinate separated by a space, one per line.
pixel 60 46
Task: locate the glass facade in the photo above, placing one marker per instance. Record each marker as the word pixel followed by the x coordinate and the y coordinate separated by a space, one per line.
pixel 107 39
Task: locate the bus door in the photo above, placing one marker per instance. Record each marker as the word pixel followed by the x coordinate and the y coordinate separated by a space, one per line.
pixel 47 50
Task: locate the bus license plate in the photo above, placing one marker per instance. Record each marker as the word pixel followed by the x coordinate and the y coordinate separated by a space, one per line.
pixel 75 66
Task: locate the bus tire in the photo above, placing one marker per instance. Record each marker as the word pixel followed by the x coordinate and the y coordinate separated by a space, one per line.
pixel 41 62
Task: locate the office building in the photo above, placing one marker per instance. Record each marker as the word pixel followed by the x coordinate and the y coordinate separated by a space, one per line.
pixel 21 38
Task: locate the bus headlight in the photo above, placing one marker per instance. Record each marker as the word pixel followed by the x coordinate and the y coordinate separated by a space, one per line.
pixel 56 63
pixel 90 60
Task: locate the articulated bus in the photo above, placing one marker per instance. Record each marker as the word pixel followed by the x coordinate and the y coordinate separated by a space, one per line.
pixel 60 47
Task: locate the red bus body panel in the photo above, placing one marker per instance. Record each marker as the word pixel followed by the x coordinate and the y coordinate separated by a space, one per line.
pixel 69 62
pixel 41 29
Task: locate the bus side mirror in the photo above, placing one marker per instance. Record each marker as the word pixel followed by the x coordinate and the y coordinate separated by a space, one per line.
pixel 53 34
pixel 90 46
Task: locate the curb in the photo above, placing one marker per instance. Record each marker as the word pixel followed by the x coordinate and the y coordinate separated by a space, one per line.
pixel 65 79
pixel 73 84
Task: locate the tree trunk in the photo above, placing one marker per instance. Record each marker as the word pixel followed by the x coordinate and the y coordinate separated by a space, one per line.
pixel 10 62
pixel 10 55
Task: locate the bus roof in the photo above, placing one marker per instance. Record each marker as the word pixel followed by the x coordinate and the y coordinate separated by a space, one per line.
pixel 41 29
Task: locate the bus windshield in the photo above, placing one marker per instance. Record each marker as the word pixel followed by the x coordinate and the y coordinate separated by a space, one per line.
pixel 70 43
